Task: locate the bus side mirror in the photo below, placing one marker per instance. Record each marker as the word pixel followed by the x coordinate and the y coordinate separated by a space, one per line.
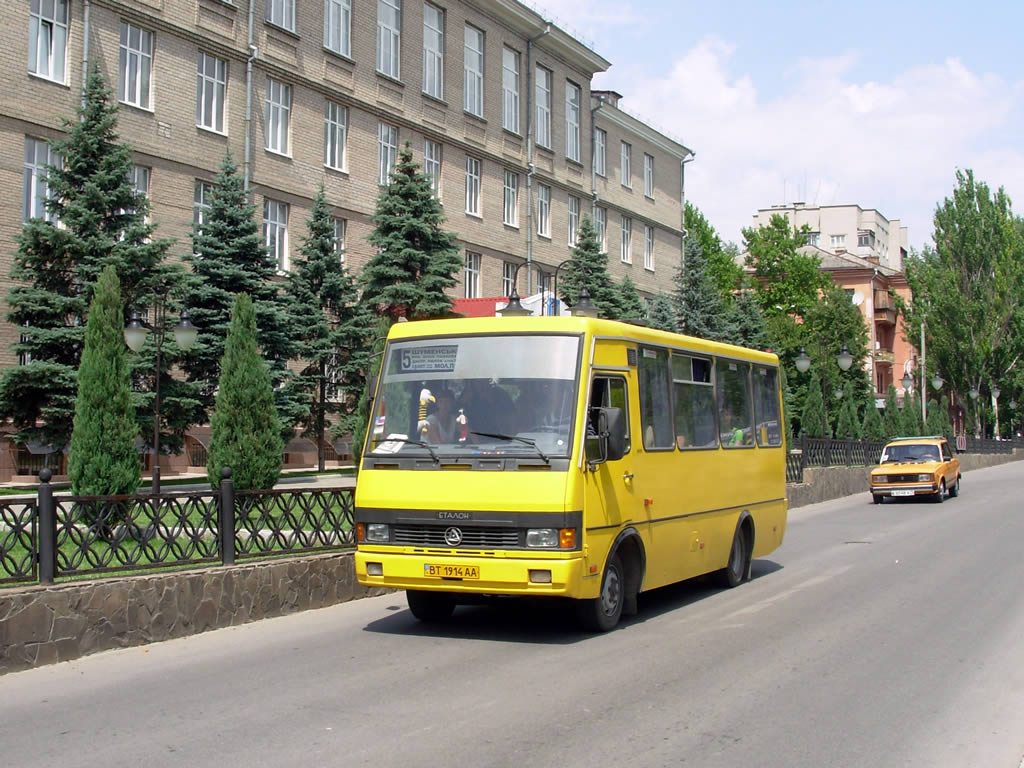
pixel 609 444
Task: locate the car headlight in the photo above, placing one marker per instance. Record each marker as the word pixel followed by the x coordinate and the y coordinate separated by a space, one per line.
pixel 542 537
pixel 878 478
pixel 378 532
pixel 924 478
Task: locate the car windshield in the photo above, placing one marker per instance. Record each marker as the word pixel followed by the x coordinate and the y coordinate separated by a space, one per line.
pixel 477 395
pixel 909 452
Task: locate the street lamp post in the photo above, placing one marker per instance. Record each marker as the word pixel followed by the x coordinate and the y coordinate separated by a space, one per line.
pixel 973 394
pixel 995 402
pixel 135 337
pixel 514 308
pixel 803 364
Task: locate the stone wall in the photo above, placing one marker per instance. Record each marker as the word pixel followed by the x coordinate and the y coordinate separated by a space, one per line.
pixel 46 624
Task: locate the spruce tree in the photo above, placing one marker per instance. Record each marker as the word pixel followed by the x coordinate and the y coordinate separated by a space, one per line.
pixel 812 418
pixel 660 314
pixel 873 428
pixel 749 324
pixel 331 326
pixel 700 309
pixel 892 418
pixel 102 221
pixel 416 260
pixel 245 429
pixel 103 459
pixel 361 419
pixel 787 407
pixel 230 258
pixel 589 267
pixel 912 424
pixel 631 306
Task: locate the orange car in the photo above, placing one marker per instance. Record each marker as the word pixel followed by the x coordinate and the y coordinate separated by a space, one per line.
pixel 916 466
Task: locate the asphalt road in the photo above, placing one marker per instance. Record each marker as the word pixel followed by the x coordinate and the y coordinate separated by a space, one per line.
pixel 885 635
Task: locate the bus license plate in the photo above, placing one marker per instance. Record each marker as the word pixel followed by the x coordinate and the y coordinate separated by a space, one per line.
pixel 451 571
pixel 902 493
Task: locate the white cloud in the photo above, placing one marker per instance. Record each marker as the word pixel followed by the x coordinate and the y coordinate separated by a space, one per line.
pixel 828 139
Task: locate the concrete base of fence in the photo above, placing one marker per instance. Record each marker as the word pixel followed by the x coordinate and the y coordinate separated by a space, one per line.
pixel 47 624
pixel 824 483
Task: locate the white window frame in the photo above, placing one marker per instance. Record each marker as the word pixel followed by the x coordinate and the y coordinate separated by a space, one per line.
pixel 649 247
pixel 211 91
pixel 838 241
pixel 510 90
pixel 600 151
pixel 601 227
pixel 433 51
pixel 335 135
pixel 543 96
pixel 280 13
pixel 135 66
pixel 201 203
pixel 508 274
pixel 338 26
pixel 544 210
pixel 389 38
pixel 48 39
pixel 472 275
pixel 35 185
pixel 626 164
pixel 387 152
pixel 275 231
pixel 626 249
pixel 432 154
pixel 139 177
pixel 510 209
pixel 649 175
pixel 473 70
pixel 574 220
pixel 814 238
pixel 473 174
pixel 277 116
pixel 338 240
pixel 573 97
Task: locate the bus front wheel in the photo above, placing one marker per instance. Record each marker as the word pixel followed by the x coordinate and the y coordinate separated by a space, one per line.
pixel 430 606
pixel 733 573
pixel 603 612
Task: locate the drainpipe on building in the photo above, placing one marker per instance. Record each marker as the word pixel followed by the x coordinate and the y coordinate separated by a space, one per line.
pixel 682 206
pixel 531 168
pixel 85 49
pixel 593 169
pixel 253 53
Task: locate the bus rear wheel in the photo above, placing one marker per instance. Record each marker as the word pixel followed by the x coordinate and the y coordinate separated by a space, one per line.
pixel 430 606
pixel 733 573
pixel 603 612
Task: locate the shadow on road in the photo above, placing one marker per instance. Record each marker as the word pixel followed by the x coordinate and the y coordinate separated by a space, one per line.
pixel 544 621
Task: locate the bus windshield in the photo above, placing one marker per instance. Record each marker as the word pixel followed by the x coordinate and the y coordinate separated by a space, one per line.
pixel 477 395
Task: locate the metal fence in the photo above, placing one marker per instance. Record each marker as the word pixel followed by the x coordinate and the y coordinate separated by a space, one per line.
pixel 48 536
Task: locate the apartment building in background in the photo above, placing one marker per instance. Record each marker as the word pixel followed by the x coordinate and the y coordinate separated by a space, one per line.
pixel 494 100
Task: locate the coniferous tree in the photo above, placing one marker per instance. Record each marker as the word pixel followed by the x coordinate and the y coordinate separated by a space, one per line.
pixel 416 260
pixel 103 459
pixel 361 420
pixel 746 318
pixel 847 427
pixel 787 407
pixel 631 306
pixel 813 416
pixel 660 314
pixel 331 327
pixel 102 220
pixel 245 431
pixel 873 428
pixel 912 424
pixel 892 418
pixel 589 267
pixel 229 258
pixel 700 309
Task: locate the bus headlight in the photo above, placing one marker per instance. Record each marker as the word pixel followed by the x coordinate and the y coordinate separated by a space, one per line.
pixel 379 533
pixel 924 478
pixel 542 537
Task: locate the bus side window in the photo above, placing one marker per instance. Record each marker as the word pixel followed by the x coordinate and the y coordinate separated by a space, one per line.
pixel 656 400
pixel 734 406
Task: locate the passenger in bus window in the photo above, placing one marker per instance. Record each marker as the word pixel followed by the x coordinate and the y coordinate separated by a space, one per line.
pixel 441 424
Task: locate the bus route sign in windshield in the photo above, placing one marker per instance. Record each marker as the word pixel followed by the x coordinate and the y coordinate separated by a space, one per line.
pixel 432 359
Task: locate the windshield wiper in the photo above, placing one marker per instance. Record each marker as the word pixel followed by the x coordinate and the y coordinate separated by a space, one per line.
pixel 526 440
pixel 420 443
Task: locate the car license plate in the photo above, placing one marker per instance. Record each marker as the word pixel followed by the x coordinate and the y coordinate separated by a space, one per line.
pixel 435 571
pixel 902 493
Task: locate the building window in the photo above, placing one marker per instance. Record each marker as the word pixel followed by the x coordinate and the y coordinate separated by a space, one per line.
pixel 36 187
pixel 627 240
pixel 138 177
pixel 278 115
pixel 473 186
pixel 275 231
pixel 387 151
pixel 135 65
pixel 201 204
pixel 472 275
pixel 211 88
pixel 601 227
pixel 432 165
pixel 511 208
pixel 648 175
pixel 335 135
pixel 510 90
pixel 508 275
pixel 389 37
pixel 574 219
pixel 544 210
pixel 543 108
pixel 600 151
pixel 48 38
pixel 338 26
pixel 338 241
pixel 866 239
pixel 649 247
pixel 814 238
pixel 572 121
pixel 473 66
pixel 626 164
pixel 433 51
pixel 280 13
pixel 838 241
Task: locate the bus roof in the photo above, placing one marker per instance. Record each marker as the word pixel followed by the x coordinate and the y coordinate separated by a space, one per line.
pixel 460 326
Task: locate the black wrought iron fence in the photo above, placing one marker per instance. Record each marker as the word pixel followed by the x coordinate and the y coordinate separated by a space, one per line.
pixel 52 536
pixel 987 445
pixel 825 452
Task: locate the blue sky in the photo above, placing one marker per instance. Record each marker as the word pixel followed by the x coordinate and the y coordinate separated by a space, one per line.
pixel 870 103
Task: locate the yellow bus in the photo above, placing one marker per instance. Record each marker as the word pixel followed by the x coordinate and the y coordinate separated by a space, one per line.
pixel 566 456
